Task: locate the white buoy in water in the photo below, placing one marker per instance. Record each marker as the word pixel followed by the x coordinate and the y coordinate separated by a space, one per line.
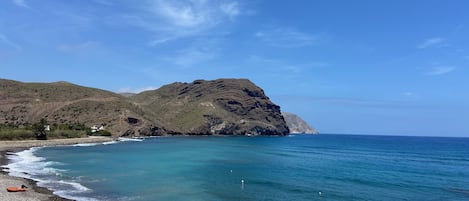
pixel 231 171
pixel 242 181
pixel 320 193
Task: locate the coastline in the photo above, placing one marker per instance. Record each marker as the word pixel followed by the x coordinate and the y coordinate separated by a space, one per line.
pixel 34 192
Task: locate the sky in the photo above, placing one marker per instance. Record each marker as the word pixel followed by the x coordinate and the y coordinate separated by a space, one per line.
pixel 349 67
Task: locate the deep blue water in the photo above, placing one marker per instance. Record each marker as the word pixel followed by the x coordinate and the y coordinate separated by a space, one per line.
pixel 298 167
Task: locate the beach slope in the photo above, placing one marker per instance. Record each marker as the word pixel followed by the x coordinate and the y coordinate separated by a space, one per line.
pixel 34 193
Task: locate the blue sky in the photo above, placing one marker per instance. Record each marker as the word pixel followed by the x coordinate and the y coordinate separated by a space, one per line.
pixel 361 67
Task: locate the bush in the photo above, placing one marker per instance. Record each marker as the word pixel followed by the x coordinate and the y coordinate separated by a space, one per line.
pixel 67 134
pixel 101 133
pixel 39 130
pixel 15 134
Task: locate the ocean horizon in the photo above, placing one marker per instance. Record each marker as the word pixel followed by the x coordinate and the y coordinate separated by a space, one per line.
pixel 294 167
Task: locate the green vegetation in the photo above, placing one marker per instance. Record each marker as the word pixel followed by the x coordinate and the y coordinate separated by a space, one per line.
pixel 101 133
pixel 39 129
pixel 67 134
pixel 8 132
pixel 43 131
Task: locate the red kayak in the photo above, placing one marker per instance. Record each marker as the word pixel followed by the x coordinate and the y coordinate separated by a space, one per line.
pixel 16 189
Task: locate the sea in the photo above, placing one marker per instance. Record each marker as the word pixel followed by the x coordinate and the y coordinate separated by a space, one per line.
pixel 295 167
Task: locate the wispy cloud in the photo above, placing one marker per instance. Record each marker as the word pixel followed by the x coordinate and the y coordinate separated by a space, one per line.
pixel 431 42
pixel 21 3
pixel 8 42
pixel 282 69
pixel 440 70
pixel 354 101
pixel 289 38
pixel 231 9
pixel 170 20
pixel 411 95
pixel 135 90
pixel 189 57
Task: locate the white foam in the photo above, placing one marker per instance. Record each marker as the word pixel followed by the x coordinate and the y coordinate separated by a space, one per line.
pixel 110 142
pixel 85 145
pixel 124 139
pixel 27 165
pixel 75 186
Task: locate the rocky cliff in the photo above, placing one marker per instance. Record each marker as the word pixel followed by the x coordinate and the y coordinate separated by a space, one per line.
pixel 298 125
pixel 219 107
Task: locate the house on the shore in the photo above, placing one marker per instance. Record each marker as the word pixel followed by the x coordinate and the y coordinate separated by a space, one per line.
pixel 96 128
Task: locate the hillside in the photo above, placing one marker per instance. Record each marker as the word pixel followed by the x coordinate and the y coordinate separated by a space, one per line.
pixel 298 125
pixel 221 107
pixel 64 103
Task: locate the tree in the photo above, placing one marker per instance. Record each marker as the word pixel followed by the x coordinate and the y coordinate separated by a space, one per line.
pixel 39 129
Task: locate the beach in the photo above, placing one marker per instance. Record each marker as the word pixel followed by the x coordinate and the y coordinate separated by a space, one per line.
pixel 34 192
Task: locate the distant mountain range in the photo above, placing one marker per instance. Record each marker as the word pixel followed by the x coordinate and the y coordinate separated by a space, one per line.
pixel 218 107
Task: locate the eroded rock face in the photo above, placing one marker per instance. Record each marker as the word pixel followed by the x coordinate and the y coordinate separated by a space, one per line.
pixel 218 107
pixel 298 125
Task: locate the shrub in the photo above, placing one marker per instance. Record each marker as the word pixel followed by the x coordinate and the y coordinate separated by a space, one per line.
pixel 102 133
pixel 15 134
pixel 67 134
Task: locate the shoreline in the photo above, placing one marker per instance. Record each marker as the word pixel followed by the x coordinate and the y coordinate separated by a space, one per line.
pixel 34 192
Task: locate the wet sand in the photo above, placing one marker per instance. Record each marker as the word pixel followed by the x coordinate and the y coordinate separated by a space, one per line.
pixel 34 192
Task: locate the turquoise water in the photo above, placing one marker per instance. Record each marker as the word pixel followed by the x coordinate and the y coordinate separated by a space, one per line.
pixel 298 167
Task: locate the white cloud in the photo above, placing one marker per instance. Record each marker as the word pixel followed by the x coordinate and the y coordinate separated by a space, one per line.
pixel 289 38
pixel 170 20
pixel 431 42
pixel 440 70
pixel 135 90
pixel 231 9
pixel 8 42
pixel 183 14
pixel 21 3
pixel 191 56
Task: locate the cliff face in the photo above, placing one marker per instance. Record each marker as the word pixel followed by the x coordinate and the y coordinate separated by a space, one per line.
pixel 221 107
pixel 298 125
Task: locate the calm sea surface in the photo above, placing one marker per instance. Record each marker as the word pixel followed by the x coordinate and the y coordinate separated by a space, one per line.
pixel 297 167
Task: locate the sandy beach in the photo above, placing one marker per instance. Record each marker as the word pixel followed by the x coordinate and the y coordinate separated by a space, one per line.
pixel 34 192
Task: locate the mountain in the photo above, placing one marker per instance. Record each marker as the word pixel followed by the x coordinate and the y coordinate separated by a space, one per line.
pixel 219 107
pixel 127 94
pixel 64 103
pixel 298 125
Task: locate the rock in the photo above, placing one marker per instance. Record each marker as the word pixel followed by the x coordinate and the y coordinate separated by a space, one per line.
pixel 218 107
pixel 298 125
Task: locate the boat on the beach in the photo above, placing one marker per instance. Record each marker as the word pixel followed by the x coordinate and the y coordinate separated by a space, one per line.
pixel 16 189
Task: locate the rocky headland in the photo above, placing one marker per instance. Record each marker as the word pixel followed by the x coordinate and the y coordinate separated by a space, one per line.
pixel 297 125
